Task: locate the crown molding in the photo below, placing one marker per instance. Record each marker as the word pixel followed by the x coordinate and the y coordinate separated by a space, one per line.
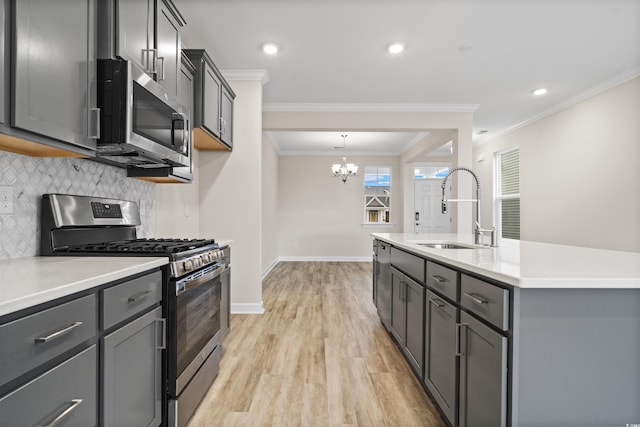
pixel 583 96
pixel 261 75
pixel 341 153
pixel 360 108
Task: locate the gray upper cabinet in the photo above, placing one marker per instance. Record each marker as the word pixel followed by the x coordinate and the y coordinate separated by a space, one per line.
pixel 54 72
pixel 213 125
pixel 226 131
pixel 135 32
pixel 169 48
pixel 145 32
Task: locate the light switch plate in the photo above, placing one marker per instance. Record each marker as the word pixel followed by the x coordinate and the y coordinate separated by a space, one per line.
pixel 6 199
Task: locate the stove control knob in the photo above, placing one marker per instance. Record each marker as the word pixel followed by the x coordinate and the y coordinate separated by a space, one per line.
pixel 187 266
pixel 206 259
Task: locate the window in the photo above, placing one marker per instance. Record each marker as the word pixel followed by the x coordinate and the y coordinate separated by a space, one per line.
pixel 430 171
pixel 508 194
pixel 377 194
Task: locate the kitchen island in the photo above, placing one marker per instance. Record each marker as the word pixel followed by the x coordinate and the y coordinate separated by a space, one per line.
pixel 525 334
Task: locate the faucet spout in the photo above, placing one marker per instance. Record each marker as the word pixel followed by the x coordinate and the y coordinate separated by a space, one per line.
pixel 478 232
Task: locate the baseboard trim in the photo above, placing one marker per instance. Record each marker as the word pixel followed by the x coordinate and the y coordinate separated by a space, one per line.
pixel 244 308
pixel 268 270
pixel 325 258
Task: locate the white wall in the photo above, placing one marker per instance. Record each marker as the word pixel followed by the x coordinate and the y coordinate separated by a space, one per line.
pixel 580 172
pixel 320 217
pixel 270 171
pixel 178 207
pixel 231 197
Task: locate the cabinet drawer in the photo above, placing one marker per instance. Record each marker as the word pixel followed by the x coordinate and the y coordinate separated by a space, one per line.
pixel 126 299
pixel 30 341
pixel 488 301
pixel 408 263
pixel 442 279
pixel 66 393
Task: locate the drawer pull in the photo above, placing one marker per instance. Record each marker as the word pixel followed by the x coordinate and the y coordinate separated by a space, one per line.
pixel 74 405
pixel 475 298
pixel 139 296
pixel 59 333
pixel 439 279
pixel 436 302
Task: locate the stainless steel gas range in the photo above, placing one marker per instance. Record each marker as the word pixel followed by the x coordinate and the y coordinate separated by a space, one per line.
pixel 91 226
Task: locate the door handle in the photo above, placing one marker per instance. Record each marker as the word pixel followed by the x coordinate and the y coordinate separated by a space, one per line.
pixel 160 71
pixel 417 216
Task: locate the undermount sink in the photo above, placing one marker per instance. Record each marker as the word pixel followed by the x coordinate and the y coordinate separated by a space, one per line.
pixel 447 245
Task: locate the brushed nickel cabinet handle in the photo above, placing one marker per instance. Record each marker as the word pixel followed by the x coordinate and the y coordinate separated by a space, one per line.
pixel 475 298
pixel 439 279
pixel 139 296
pixel 459 327
pixel 58 334
pixel 57 420
pixel 94 123
pixel 436 302
pixel 163 324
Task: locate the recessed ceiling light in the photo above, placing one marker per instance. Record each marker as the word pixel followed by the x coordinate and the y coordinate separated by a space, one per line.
pixel 540 91
pixel 395 48
pixel 270 48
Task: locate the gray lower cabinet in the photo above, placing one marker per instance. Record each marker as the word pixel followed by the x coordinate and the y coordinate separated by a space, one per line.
pixel 483 375
pixel 64 395
pixel 55 71
pixel 384 291
pixel 440 366
pixel 407 317
pixel 132 373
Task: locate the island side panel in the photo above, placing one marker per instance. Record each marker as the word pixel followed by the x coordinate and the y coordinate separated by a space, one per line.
pixel 576 357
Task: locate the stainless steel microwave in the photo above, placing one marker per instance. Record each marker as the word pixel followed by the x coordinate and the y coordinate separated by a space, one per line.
pixel 140 124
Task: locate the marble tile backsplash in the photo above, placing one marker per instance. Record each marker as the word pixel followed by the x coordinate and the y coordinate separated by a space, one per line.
pixel 33 176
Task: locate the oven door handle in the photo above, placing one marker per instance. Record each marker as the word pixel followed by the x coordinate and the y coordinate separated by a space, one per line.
pixel 187 285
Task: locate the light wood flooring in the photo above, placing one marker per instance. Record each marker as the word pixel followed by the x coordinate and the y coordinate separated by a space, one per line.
pixel 318 356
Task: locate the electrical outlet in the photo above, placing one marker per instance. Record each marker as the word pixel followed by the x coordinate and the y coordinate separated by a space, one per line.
pixel 6 199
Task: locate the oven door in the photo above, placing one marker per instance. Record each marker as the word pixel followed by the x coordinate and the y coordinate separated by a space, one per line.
pixel 197 324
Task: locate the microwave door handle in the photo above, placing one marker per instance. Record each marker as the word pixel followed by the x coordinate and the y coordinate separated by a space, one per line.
pixel 177 118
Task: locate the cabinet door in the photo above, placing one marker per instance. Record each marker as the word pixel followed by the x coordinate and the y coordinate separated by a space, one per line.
pixel 414 323
pixel 226 131
pixel 483 375
pixel 211 98
pixel 440 354
pixel 168 44
pixel 55 71
pixel 384 285
pixel 135 29
pixel 132 373
pixel 65 395
pixel 397 305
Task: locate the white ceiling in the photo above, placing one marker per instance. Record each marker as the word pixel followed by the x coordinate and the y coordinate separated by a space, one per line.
pixel 334 54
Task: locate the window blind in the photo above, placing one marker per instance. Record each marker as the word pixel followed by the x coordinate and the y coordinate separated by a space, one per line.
pixel 510 194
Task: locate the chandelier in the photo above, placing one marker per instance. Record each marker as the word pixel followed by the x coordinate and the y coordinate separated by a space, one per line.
pixel 344 170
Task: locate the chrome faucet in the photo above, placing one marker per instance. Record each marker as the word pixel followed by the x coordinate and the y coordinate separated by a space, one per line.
pixel 478 232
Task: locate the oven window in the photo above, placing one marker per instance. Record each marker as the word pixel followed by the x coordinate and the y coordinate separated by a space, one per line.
pixel 155 120
pixel 198 311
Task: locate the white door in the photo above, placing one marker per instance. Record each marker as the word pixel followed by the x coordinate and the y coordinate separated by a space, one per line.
pixel 428 217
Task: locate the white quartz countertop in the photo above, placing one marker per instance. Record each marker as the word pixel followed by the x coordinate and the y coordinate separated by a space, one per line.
pixel 526 264
pixel 25 282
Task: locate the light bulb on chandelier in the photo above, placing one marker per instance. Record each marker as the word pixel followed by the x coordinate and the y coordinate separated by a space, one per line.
pixel 344 170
